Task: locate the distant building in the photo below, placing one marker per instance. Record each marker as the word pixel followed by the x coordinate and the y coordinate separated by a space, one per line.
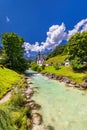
pixel 40 60
pixel 67 63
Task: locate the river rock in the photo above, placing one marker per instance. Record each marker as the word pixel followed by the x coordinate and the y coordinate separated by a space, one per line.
pixel 51 76
pixel 73 83
pixel 36 118
pixel 86 80
pixel 46 74
pixel 60 78
pixel 70 85
pixel 84 85
pixel 29 91
pixel 56 77
pixel 66 80
pixel 30 103
pixel 77 85
pixel 33 106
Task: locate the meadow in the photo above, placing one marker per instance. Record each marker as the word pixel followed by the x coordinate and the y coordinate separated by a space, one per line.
pixel 8 78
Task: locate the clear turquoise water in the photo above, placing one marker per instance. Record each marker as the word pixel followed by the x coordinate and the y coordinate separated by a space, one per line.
pixel 63 108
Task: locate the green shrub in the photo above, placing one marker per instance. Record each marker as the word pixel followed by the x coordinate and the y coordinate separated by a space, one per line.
pixel 16 118
pixel 39 69
pixel 26 111
pixel 17 99
pixel 5 121
pixel 56 67
pixel 85 78
pixel 23 126
pixel 19 119
pixel 43 67
pixel 34 66
pixel 76 64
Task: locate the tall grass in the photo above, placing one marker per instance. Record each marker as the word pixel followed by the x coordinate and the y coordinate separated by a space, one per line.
pixel 13 114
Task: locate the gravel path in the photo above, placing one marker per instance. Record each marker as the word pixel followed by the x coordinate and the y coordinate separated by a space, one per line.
pixel 5 98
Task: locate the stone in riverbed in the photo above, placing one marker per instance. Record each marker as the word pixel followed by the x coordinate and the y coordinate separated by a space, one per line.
pixel 36 106
pixel 36 118
pixel 29 91
pixel 33 105
pixel 84 85
pixel 66 80
pixel 70 85
pixel 29 103
pixel 56 77
pixel 60 78
pixel 73 83
pixel 77 85
pixel 51 76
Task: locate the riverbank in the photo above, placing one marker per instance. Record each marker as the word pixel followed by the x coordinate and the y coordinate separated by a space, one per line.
pixel 67 75
pixel 66 71
pixel 68 82
pixel 19 98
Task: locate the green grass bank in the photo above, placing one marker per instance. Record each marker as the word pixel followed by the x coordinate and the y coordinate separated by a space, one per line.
pixel 66 71
pixel 57 59
pixel 8 78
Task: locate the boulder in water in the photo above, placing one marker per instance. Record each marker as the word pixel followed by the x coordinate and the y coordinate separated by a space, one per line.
pixel 29 91
pixel 36 118
pixel 84 85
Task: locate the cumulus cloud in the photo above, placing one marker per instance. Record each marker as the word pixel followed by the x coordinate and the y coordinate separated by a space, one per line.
pixel 84 28
pixel 79 27
pixel 7 19
pixel 55 35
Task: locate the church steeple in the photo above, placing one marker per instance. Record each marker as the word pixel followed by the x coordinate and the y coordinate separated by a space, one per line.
pixel 39 55
pixel 40 59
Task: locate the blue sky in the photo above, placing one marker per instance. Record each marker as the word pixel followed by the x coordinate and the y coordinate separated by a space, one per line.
pixel 32 19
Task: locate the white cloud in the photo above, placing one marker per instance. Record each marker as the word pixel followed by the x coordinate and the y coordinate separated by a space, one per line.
pixel 79 27
pixel 7 19
pixel 55 36
pixel 84 28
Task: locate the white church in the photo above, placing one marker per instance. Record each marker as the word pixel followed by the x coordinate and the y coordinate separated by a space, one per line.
pixel 40 60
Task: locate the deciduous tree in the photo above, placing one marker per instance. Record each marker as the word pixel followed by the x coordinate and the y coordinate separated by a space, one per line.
pixel 77 49
pixel 12 44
